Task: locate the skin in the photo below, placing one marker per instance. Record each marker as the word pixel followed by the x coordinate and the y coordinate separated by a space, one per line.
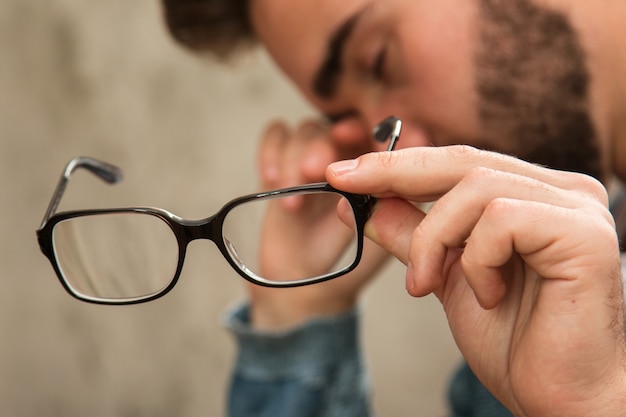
pixel 523 258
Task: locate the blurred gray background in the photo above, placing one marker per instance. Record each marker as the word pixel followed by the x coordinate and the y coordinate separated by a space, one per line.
pixel 103 79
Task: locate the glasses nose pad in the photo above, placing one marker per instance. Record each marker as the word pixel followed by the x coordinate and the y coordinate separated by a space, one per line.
pixel 382 130
pixel 388 129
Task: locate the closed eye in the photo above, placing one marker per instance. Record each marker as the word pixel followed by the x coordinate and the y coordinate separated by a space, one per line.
pixel 378 69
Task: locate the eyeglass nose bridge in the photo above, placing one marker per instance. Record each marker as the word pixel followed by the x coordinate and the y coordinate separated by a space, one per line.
pixel 211 228
pixel 204 229
pixel 187 231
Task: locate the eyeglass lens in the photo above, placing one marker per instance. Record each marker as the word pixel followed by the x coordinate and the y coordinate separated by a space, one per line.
pixel 285 246
pixel 133 255
pixel 116 256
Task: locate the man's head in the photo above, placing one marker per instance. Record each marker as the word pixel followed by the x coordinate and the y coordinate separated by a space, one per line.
pixel 218 26
pixel 506 75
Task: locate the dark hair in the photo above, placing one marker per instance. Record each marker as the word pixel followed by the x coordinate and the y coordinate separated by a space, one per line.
pixel 219 27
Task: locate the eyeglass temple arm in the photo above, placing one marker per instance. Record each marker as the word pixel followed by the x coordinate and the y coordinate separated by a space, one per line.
pixel 388 128
pixel 106 172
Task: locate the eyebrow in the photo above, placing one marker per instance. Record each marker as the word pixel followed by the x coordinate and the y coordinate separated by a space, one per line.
pixel 326 78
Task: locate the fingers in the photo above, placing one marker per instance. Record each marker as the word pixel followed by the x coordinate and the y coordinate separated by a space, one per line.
pixel 558 242
pixel 489 206
pixel 426 173
pixel 453 219
pixel 391 226
pixel 272 140
pixel 289 157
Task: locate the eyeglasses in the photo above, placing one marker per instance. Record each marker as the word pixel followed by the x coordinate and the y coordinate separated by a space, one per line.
pixel 136 254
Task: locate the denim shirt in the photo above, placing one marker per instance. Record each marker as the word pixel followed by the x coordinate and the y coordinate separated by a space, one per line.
pixel 316 370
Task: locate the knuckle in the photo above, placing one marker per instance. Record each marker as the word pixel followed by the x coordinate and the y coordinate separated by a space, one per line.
pixel 601 227
pixel 478 175
pixel 500 208
pixel 276 130
pixel 388 159
pixel 382 159
pixel 418 234
pixel 594 188
pixel 599 211
pixel 462 152
pixel 413 158
pixel 471 255
pixel 311 128
pixel 588 187
pixel 478 179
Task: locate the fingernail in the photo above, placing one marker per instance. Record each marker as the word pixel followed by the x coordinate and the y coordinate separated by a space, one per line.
pixel 410 278
pixel 343 167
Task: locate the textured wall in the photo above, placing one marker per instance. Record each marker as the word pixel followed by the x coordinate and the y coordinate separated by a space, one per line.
pixel 103 79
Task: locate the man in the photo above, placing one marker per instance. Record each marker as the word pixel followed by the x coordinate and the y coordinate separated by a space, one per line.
pixel 524 258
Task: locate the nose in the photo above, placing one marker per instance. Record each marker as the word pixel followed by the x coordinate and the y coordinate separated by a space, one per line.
pixel 356 130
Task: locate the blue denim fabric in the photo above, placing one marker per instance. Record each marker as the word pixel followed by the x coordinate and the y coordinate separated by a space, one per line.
pixel 469 398
pixel 316 370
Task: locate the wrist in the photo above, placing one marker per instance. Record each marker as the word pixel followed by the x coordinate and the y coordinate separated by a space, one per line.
pixel 276 309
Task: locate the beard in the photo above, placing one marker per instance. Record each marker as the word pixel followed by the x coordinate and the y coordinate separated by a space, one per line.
pixel 532 86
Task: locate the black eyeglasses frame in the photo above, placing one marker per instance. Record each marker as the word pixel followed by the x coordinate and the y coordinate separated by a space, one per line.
pixel 209 228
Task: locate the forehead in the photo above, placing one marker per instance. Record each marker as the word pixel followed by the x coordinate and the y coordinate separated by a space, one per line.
pixel 296 33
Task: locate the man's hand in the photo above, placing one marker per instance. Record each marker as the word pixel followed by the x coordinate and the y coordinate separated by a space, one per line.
pixel 525 262
pixel 290 157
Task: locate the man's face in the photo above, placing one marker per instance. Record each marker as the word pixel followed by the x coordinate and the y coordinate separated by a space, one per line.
pixel 502 75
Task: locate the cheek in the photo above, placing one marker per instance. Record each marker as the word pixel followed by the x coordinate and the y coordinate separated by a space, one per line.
pixel 438 80
pixel 439 98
